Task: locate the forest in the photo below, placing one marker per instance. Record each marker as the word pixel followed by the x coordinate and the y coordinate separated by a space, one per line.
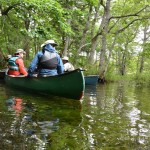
pixel 105 37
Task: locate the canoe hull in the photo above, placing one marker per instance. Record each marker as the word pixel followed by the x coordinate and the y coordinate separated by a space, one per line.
pixel 91 79
pixel 69 85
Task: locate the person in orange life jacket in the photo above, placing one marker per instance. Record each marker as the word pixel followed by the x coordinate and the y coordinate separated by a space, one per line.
pixel 16 64
pixel 47 61
pixel 67 65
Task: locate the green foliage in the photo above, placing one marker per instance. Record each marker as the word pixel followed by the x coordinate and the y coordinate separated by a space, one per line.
pixel 91 69
pixel 142 79
pixel 92 2
pixel 146 50
pixel 139 79
pixel 27 23
pixel 68 140
pixel 31 21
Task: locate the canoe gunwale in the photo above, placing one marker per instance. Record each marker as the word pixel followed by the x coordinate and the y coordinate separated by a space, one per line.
pixel 59 75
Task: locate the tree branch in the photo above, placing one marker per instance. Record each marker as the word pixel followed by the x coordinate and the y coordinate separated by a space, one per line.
pixel 130 15
pixel 121 30
pixel 5 11
pixel 102 3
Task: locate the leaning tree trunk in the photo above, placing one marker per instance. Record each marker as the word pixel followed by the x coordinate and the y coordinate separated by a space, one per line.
pixel 91 59
pixel 105 21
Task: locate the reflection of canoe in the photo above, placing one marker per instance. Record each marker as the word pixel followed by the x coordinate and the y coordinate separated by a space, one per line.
pixel 69 85
pixel 91 79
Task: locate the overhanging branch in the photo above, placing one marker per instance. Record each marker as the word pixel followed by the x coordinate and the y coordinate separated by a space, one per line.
pixel 129 15
pixel 122 29
pixel 5 11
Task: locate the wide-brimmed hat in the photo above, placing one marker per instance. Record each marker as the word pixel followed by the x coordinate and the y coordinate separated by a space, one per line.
pixel 52 42
pixel 20 51
pixel 65 58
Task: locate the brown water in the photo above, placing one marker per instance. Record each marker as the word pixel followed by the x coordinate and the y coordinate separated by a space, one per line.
pixel 112 116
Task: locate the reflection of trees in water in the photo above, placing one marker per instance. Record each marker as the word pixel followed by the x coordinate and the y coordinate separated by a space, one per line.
pixel 112 120
pixel 113 116
pixel 138 114
pixel 34 125
pixel 25 130
pixel 90 92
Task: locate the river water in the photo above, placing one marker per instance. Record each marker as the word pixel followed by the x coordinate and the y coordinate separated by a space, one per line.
pixel 114 116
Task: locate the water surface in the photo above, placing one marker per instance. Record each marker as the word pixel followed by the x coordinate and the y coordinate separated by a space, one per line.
pixel 112 116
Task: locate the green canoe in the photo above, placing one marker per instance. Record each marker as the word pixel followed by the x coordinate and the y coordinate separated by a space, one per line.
pixel 69 85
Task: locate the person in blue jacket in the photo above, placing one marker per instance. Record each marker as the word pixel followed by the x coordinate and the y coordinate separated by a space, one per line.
pixel 47 61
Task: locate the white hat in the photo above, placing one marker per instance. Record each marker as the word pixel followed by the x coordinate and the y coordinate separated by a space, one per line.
pixel 49 42
pixel 20 51
pixel 65 58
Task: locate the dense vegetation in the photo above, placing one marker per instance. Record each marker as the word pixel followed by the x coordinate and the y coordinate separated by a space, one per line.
pixel 106 37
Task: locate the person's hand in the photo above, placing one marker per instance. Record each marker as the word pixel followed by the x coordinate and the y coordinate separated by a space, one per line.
pixel 12 75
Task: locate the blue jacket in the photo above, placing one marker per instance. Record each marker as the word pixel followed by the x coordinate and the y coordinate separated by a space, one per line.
pixel 35 61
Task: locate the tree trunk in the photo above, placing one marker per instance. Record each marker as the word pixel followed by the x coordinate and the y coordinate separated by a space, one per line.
pixel 93 51
pixel 67 41
pixel 110 52
pixel 142 56
pixel 105 23
pixel 94 40
pixel 123 65
pixel 82 41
